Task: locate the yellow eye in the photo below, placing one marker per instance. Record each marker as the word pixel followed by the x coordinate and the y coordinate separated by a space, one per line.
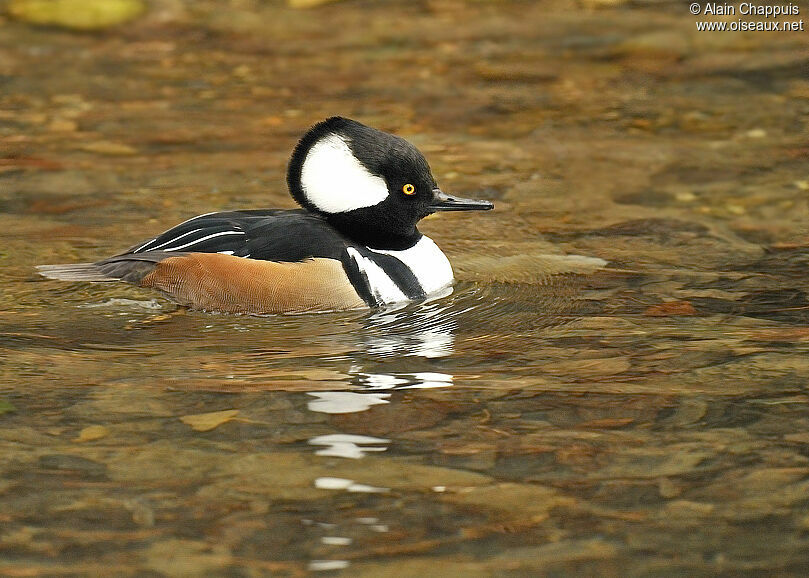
pixel 409 189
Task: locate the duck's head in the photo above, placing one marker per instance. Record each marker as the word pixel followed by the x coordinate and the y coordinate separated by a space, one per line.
pixel 370 185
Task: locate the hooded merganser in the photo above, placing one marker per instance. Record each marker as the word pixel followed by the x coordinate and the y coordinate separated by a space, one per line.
pixel 354 244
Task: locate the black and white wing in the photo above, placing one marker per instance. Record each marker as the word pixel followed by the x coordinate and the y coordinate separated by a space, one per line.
pixel 267 235
pixel 211 233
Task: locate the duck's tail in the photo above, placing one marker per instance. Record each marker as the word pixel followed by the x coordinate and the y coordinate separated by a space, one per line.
pixel 129 267
pixel 75 272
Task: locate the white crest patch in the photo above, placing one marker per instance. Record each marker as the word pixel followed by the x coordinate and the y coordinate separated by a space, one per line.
pixel 335 181
pixel 428 263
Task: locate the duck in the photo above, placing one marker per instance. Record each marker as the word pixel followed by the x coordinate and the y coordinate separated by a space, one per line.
pixel 354 242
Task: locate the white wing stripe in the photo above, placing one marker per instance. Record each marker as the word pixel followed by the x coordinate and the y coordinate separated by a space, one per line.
pixel 170 241
pixel 194 242
pixel 146 244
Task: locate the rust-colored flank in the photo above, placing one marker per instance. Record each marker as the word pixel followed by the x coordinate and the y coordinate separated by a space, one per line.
pixel 219 282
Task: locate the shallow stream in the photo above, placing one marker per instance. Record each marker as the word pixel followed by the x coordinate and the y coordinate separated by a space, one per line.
pixel 551 417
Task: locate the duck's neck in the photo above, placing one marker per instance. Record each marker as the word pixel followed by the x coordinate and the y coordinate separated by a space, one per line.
pixel 376 235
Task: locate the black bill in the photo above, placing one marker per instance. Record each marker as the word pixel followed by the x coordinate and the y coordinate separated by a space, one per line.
pixel 445 202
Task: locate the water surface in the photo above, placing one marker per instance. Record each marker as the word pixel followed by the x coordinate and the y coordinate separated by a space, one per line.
pixel 551 416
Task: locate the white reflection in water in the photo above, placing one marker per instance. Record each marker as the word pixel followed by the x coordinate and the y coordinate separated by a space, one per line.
pixel 344 401
pixel 351 401
pixel 380 380
pixel 336 540
pixel 429 344
pixel 424 330
pixel 332 483
pixel 427 380
pixel 327 483
pixel 366 489
pixel 327 565
pixel 419 380
pixel 347 445
pixel 308 522
pixel 373 524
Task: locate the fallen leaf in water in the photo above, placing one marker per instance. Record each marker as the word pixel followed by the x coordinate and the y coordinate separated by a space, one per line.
pixel 76 14
pixel 607 422
pixel 529 502
pixel 307 3
pixel 63 125
pixel 5 407
pixel 29 162
pixel 670 309
pixel 209 421
pixel 92 433
pixel 110 148
pixel 465 449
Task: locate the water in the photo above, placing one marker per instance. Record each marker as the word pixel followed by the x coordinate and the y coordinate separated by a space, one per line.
pixel 616 385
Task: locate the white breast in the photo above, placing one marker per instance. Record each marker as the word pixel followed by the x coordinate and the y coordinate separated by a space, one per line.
pixel 382 287
pixel 428 263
